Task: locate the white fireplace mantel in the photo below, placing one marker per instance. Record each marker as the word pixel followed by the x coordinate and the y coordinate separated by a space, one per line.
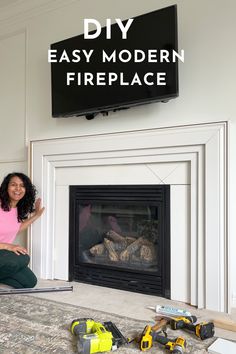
pixel 202 148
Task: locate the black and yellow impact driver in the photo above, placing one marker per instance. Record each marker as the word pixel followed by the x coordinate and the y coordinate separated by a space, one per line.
pixel 176 346
pixel 202 330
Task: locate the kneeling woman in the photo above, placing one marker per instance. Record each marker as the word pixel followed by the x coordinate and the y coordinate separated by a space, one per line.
pixel 17 203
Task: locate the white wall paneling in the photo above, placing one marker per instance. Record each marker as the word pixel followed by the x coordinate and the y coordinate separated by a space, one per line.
pixel 12 97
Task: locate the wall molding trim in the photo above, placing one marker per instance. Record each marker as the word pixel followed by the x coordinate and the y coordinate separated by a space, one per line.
pixel 204 146
pixel 14 101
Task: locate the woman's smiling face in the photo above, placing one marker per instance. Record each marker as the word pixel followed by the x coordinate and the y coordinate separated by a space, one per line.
pixel 16 190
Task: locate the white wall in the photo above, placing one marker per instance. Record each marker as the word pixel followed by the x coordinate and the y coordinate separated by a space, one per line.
pixel 207 78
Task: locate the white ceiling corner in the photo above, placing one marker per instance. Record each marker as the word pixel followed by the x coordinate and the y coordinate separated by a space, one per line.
pixel 14 11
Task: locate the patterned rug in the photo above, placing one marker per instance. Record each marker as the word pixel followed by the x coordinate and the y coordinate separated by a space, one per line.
pixel 31 325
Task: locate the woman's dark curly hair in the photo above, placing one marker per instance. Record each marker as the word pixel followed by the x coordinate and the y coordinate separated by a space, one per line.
pixel 25 206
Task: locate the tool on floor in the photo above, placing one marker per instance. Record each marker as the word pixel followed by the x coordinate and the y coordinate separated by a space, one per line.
pixel 176 346
pixel 145 340
pixel 202 330
pixel 94 337
pixel 35 290
pixel 170 311
pixel 160 324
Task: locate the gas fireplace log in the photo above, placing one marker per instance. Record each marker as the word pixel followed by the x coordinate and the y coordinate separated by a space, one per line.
pixel 148 243
pixel 131 249
pixel 100 248
pixel 113 256
pixel 130 240
pixel 119 246
pixel 97 250
pixel 120 242
pixel 147 253
pixel 115 237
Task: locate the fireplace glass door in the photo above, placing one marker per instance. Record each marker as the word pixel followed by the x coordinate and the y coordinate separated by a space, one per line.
pixel 119 237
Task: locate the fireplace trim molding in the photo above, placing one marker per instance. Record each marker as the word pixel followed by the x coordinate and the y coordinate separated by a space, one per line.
pixel 204 146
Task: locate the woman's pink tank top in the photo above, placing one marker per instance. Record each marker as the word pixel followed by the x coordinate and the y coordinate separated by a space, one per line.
pixel 9 225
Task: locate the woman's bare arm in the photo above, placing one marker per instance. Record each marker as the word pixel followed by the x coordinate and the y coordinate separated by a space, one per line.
pixel 35 215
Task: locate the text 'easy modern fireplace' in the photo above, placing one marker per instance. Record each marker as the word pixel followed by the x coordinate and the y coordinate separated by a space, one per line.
pixel 119 237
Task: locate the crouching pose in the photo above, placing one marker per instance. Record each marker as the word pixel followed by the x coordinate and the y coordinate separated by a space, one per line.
pixel 18 210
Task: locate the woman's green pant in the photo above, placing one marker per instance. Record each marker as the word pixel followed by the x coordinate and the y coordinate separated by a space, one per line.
pixel 14 270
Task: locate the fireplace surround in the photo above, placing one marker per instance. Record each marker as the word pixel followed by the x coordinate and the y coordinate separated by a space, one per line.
pixel 192 159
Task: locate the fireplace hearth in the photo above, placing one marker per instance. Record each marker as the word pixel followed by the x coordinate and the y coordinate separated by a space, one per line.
pixel 119 237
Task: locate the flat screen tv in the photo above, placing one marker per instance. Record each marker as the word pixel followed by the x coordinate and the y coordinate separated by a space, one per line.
pixel 109 73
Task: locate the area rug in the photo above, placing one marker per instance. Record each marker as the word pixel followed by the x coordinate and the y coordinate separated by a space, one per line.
pixel 30 325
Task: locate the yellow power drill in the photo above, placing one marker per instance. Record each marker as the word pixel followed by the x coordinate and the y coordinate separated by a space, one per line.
pixel 202 330
pixel 176 346
pixel 145 341
pixel 94 337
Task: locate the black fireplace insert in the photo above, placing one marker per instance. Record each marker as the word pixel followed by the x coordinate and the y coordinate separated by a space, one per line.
pixel 119 237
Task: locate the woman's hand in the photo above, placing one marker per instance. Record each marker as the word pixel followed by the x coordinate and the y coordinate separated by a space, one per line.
pixel 38 209
pixel 17 249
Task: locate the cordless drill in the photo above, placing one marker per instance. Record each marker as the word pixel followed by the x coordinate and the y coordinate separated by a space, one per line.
pixel 202 330
pixel 176 346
